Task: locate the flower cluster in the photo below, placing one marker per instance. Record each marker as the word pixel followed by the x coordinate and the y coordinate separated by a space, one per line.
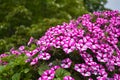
pixel 95 37
pixel 47 75
pixel 1 61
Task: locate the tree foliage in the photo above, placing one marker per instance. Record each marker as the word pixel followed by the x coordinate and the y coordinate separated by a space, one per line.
pixel 20 19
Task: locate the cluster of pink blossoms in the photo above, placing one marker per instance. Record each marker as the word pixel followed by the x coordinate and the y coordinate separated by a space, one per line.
pixel 98 32
pixel 50 74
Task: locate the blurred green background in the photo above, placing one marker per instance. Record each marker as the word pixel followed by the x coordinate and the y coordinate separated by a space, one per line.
pixel 21 19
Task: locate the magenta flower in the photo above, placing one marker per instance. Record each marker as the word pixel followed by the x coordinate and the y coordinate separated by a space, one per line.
pixel 102 57
pixel 3 56
pixel 97 14
pixel 29 53
pixel 101 78
pixel 40 78
pixel 55 68
pixel 68 78
pixel 116 60
pixel 86 73
pixel 15 52
pixel 28 60
pixel 66 63
pixel 116 76
pixel 44 56
pixel 50 64
pixel 103 73
pixel 90 79
pixel 110 65
pixel 86 16
pixel 97 42
pixel 101 21
pixel 83 69
pixel 48 75
pixel 69 45
pixel 30 41
pixel 110 79
pixel 21 48
pixel 84 43
pixel 95 45
pixel 34 61
pixel 58 42
pixel 80 44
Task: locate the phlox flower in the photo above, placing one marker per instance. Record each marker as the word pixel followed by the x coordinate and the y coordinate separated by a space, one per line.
pixel 55 67
pixel 21 48
pixel 30 41
pixel 44 56
pixel 83 69
pixel 48 75
pixel 68 78
pixel 69 46
pixel 66 63
pixel 34 61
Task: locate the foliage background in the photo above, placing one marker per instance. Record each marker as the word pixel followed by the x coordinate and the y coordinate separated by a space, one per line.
pixel 21 19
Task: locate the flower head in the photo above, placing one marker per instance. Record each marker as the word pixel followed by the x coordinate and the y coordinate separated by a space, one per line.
pixel 48 75
pixel 44 56
pixel 66 63
pixel 68 78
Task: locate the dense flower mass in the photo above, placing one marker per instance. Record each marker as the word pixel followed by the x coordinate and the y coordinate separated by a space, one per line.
pixel 94 36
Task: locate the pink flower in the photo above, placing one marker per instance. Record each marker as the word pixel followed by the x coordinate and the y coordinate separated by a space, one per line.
pixel 40 78
pixel 90 79
pixel 48 75
pixel 68 78
pixel 102 57
pixel 21 48
pixel 110 66
pixel 83 69
pixel 30 41
pixel 34 61
pixel 3 55
pixel 28 60
pixel 69 45
pixel 116 76
pixel 66 63
pixel 101 78
pixel 16 52
pixel 116 60
pixel 55 68
pixel 44 56
pixel 29 53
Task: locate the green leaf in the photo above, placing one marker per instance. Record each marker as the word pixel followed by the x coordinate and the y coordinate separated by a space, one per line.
pixel 42 68
pixel 118 44
pixel 57 79
pixel 8 58
pixel 16 76
pixel 20 60
pixel 1 69
pixel 26 70
pixel 60 73
pixel 33 46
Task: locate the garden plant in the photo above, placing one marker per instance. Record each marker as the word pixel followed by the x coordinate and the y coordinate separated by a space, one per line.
pixel 87 48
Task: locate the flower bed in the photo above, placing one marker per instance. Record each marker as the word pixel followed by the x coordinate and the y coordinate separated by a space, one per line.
pixel 87 48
